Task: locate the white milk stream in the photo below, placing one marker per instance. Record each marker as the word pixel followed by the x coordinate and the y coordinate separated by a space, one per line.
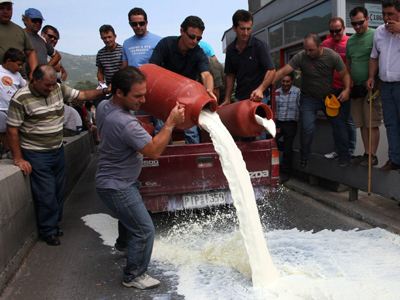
pixel 262 269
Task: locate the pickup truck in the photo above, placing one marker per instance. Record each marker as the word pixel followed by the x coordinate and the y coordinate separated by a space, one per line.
pixel 189 176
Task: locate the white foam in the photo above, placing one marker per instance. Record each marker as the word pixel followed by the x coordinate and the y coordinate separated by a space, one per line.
pixel 332 265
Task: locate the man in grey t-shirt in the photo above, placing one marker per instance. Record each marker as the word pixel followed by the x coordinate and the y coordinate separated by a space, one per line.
pixel 317 65
pixel 123 142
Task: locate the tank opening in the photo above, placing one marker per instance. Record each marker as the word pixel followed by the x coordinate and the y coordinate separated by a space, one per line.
pixel 264 111
pixel 211 105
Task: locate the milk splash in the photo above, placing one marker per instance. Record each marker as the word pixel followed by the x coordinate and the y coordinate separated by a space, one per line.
pixel 262 269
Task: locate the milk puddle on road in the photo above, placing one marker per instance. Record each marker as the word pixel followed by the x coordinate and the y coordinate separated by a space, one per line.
pixel 211 263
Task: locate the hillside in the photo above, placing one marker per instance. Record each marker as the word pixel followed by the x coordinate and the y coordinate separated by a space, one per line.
pixel 80 68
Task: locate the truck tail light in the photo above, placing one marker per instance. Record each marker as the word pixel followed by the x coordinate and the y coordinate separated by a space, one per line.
pixel 274 163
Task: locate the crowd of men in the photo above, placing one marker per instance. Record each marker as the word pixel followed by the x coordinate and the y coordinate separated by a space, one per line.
pixel 33 97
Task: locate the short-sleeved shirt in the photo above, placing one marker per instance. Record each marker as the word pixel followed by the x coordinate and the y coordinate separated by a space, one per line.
pixel 386 48
pixel 13 36
pixel 287 105
pixel 42 48
pixel 317 73
pixel 40 119
pixel 340 48
pixel 249 66
pixel 137 50
pixel 358 52
pixel 191 64
pixel 208 50
pixel 9 84
pixel 109 61
pixel 121 139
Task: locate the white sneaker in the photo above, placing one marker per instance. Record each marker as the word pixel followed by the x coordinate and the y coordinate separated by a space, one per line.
pixel 142 282
pixel 331 155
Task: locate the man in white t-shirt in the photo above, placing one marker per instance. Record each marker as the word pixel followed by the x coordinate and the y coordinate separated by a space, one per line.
pixel 10 81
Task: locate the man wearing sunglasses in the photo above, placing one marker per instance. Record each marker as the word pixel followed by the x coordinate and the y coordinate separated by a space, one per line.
pixel 33 20
pixel 182 55
pixel 13 36
pixel 385 61
pixel 137 49
pixel 247 61
pixel 51 35
pixel 337 41
pixel 358 52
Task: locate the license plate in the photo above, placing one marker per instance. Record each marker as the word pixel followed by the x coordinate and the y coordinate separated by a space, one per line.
pixel 203 200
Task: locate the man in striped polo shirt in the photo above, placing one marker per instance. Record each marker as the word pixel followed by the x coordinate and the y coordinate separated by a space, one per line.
pixel 109 58
pixel 35 133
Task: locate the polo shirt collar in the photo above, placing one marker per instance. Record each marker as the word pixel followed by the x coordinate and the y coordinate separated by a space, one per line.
pixel 33 91
pixel 249 44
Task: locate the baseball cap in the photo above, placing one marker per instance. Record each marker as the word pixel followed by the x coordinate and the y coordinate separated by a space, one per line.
pixel 33 13
pixel 332 105
pixel 5 1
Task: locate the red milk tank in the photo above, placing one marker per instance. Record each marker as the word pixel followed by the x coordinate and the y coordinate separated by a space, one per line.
pixel 240 117
pixel 165 88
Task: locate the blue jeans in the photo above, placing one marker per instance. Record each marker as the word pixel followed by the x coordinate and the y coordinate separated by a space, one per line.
pixel 390 94
pixel 309 107
pixel 47 184
pixel 128 206
pixel 192 135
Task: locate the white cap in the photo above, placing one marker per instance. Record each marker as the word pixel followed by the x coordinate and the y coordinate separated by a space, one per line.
pixel 5 1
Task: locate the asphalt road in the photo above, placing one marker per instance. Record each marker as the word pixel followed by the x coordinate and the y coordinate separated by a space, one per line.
pixel 83 268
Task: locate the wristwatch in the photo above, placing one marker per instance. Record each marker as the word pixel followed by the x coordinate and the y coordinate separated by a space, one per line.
pixel 104 91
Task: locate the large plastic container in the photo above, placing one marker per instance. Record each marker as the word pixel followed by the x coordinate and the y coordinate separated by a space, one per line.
pixel 240 117
pixel 165 88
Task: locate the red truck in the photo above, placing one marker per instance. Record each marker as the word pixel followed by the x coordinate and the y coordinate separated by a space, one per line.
pixel 189 176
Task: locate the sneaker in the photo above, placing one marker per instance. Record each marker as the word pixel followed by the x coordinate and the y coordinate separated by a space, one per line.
pixel 344 163
pixel 374 161
pixel 331 155
pixel 142 282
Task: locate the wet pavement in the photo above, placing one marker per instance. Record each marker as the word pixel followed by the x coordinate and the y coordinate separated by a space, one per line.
pixel 84 268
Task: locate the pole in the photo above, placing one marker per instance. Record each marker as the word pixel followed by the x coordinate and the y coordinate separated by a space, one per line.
pixel 370 99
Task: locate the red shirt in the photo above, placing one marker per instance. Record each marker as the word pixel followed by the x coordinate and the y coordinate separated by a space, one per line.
pixel 340 48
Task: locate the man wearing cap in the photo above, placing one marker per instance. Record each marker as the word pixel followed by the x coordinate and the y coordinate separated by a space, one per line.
pixel 317 65
pixel 33 20
pixel 13 36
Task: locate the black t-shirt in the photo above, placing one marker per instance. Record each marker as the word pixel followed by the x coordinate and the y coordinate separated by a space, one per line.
pixel 167 55
pixel 249 67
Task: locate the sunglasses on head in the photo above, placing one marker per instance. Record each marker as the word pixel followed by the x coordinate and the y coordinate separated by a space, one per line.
pixel 357 23
pixel 335 31
pixel 194 37
pixel 135 24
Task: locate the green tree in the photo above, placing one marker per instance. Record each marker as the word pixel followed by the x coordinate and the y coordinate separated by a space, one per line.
pixel 85 85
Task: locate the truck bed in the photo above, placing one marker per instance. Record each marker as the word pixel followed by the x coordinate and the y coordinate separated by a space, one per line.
pixel 190 176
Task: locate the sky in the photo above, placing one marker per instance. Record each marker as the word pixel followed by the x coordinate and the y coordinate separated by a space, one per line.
pixel 78 21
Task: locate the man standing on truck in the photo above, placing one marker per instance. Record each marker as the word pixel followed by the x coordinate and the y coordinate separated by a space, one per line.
pixel 182 55
pixel 123 143
pixel 248 61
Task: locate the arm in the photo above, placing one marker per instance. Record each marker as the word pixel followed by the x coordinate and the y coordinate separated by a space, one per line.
pixel 100 74
pixel 64 73
pixel 161 140
pixel 124 64
pixel 93 94
pixel 55 58
pixel 208 83
pixel 372 71
pixel 13 140
pixel 282 72
pixel 32 61
pixel 229 82
pixel 345 94
pixel 258 94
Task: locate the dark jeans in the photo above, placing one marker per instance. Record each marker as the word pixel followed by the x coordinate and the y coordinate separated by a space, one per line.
pixel 47 183
pixel 390 94
pixel 287 131
pixel 138 228
pixel 308 113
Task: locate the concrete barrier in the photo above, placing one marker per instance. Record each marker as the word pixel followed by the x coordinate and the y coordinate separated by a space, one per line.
pixel 17 217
